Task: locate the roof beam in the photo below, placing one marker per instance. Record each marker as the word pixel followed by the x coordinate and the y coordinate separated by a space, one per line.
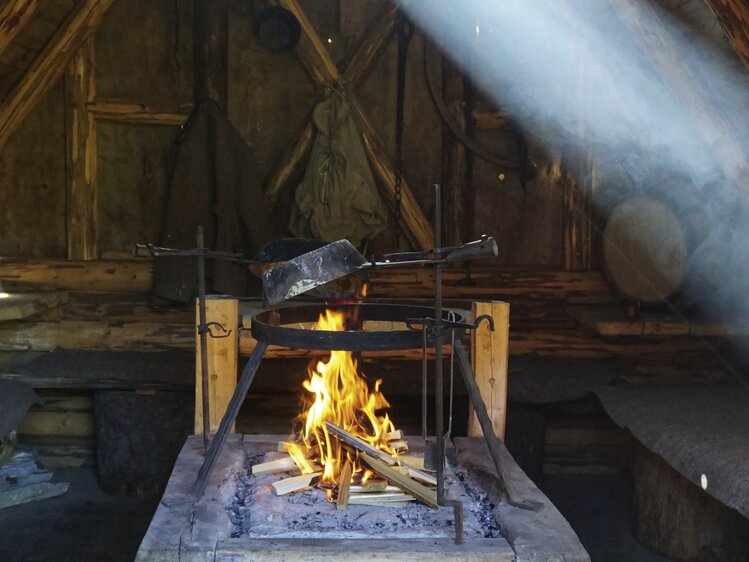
pixel 14 16
pixel 733 16
pixel 50 64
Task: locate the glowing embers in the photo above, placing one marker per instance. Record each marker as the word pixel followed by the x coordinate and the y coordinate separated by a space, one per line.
pixel 339 394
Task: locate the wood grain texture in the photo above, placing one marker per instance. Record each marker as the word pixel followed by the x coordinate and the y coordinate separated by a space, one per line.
pixel 22 305
pixel 454 157
pixel 80 141
pixel 211 51
pixel 292 163
pixel 146 112
pixel 222 360
pixel 733 16
pixel 489 352
pixel 49 64
pixel 375 40
pixel 14 16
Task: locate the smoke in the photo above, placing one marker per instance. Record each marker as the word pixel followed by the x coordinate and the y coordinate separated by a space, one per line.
pixel 662 108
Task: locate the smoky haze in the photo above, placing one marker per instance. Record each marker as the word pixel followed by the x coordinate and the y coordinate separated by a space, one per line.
pixel 576 74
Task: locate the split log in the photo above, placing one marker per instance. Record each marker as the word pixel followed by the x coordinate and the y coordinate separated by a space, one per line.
pixel 364 447
pixel 398 445
pixel 80 140
pixel 310 49
pixel 376 39
pixel 292 164
pixel 50 64
pixel 344 486
pixel 295 483
pixel 14 16
pixel 373 486
pixel 141 112
pixel 419 491
pixel 380 498
pixel 394 435
pixel 284 464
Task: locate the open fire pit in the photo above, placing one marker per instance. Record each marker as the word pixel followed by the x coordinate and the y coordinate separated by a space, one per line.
pixel 391 512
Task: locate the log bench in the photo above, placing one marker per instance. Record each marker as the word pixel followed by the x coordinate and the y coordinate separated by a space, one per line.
pixel 691 471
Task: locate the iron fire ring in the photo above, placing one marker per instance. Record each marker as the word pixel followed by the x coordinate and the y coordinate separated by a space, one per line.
pixel 284 326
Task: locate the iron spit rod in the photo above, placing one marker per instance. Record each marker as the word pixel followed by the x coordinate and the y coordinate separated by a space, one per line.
pixel 438 382
pixel 203 343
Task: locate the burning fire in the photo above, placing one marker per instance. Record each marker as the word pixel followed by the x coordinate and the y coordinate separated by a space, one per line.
pixel 339 394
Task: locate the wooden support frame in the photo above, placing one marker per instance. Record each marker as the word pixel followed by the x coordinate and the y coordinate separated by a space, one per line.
pixel 50 64
pixel 223 353
pixel 14 16
pixel 322 70
pixel 80 141
pixel 141 112
pixel 489 354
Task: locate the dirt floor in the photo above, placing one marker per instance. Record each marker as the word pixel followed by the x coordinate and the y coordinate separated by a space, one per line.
pixel 88 525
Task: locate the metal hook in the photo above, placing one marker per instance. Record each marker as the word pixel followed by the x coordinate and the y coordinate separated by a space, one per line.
pixel 206 329
pixel 486 317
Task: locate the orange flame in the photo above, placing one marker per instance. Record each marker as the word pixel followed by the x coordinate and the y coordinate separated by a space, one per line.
pixel 340 395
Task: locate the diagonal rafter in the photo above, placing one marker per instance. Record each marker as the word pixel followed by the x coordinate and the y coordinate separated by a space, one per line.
pixel 14 16
pixel 50 64
pixel 316 60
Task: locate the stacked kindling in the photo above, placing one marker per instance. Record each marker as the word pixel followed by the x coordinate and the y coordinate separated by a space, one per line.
pixel 398 479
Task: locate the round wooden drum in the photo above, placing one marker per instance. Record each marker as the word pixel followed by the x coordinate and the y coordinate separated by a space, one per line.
pixel 645 250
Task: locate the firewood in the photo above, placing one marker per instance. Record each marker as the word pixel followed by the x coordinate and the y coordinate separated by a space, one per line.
pixel 284 464
pixel 383 504
pixel 376 486
pixel 364 447
pixel 421 492
pixel 295 483
pixel 398 445
pixel 394 435
pixel 380 497
pixel 344 485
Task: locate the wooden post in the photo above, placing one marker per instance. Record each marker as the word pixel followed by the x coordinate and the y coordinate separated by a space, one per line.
pixel 80 140
pixel 14 16
pixel 489 352
pixel 211 51
pixel 222 359
pixel 734 18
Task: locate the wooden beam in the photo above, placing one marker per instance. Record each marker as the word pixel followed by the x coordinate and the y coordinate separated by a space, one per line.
pixel 80 142
pixel 418 229
pixel 141 112
pixel 211 51
pixel 647 28
pixel 222 360
pixel 485 120
pixel 733 16
pixel 50 64
pixel 489 352
pixel 310 49
pixel 291 165
pixel 14 16
pixel 375 41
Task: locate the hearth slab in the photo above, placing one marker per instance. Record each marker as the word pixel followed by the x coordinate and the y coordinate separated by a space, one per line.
pixel 179 533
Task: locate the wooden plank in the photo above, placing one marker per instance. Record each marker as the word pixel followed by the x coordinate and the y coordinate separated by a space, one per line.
pixel 284 464
pixel 295 484
pixel 489 352
pixel 135 275
pixel 80 141
pixel 222 360
pixel 142 112
pixel 16 306
pixel 50 64
pixel 14 16
pixel 344 486
pixel 733 16
pixel 68 423
pixel 421 492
